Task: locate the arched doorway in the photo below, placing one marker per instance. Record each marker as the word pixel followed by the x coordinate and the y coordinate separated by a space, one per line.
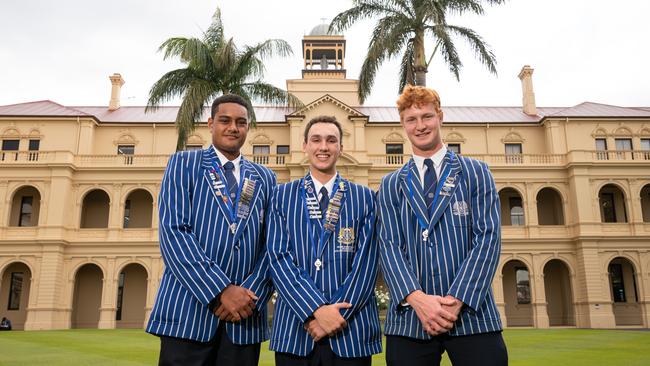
pixel 87 296
pixel 95 209
pixel 137 210
pixel 612 204
pixel 549 207
pixel 517 294
pixel 512 208
pixel 25 207
pixel 623 287
pixel 559 297
pixel 14 294
pixel 131 297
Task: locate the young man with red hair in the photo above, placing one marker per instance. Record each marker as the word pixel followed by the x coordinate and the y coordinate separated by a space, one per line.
pixel 439 236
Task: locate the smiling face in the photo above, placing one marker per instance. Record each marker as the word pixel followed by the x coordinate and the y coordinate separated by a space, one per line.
pixel 323 148
pixel 229 127
pixel 422 125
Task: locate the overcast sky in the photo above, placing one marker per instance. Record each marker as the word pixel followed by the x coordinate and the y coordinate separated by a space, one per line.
pixel 581 50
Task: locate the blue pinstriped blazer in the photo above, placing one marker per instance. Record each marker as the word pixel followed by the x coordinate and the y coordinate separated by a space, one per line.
pixel 348 273
pixel 460 256
pixel 202 257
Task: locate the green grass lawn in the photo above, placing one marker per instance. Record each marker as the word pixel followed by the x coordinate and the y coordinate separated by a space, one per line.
pixel 134 347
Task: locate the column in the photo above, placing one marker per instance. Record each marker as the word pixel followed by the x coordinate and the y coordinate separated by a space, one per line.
pixel 108 305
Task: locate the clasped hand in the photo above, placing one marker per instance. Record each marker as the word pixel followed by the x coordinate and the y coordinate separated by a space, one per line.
pixel 436 313
pixel 327 321
pixel 235 304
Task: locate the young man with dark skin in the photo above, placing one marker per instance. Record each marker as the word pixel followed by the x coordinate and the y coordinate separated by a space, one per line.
pixel 323 261
pixel 439 235
pixel 211 303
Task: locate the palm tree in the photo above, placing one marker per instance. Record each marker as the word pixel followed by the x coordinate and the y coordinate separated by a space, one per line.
pixel 403 28
pixel 215 66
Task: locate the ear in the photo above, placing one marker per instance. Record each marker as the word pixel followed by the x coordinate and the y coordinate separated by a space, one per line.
pixel 210 122
pixel 304 147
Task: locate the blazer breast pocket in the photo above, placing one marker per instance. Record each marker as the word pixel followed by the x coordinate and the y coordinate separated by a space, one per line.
pixel 346 237
pixel 460 212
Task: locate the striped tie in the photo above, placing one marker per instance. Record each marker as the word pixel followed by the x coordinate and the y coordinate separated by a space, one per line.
pixel 229 168
pixel 430 183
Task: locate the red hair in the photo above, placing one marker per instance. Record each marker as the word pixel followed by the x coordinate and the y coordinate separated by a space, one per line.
pixel 418 96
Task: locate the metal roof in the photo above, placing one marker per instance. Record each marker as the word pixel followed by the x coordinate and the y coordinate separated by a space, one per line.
pixel 275 114
pixel 589 109
pixel 40 108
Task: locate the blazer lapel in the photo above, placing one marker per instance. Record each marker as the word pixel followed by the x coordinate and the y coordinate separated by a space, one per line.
pixel 248 172
pixel 209 162
pixel 449 187
pixel 412 190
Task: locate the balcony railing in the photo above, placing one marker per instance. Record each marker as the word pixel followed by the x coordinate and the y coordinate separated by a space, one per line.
pixel 271 160
pixel 92 161
pixel 49 158
pixel 388 159
pixel 618 155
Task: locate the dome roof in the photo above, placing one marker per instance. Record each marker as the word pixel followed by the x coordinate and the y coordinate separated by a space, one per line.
pixel 320 30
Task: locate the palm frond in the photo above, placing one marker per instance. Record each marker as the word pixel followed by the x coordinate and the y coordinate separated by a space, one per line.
pixel 191 109
pixel 171 85
pixel 448 49
pixel 478 45
pixel 388 38
pixel 363 9
pixel 407 67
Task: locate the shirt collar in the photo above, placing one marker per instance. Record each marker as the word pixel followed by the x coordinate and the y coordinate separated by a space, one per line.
pixel 329 185
pixel 224 160
pixel 437 158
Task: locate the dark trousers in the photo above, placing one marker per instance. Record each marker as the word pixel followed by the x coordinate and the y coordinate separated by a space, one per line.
pixel 322 355
pixel 486 349
pixel 218 351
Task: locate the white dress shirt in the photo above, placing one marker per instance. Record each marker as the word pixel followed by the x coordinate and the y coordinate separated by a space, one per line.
pixel 329 185
pixel 236 162
pixel 437 158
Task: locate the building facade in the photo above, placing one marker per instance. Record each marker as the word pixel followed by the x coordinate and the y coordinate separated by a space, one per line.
pixel 79 189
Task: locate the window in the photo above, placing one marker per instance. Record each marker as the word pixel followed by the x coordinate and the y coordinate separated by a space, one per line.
pixel 645 148
pixel 127 213
pixel 34 145
pixel 607 206
pixel 127 151
pixel 25 218
pixel 454 147
pixel 516 211
pixel 120 297
pixel 261 154
pixel 523 285
pixel 9 145
pixel 193 147
pixel 281 150
pixel 513 153
pixel 395 154
pixel 15 290
pixel 601 147
pixel 624 147
pixel 618 286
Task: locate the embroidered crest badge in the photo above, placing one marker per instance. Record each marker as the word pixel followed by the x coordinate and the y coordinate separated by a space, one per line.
pixel 346 235
pixel 460 208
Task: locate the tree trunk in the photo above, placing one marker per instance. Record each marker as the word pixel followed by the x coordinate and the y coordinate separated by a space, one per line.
pixel 420 60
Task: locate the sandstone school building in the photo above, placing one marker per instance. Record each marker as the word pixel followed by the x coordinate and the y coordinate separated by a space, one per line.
pixel 79 187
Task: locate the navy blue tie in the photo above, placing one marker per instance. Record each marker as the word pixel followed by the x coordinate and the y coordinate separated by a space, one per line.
pixel 229 169
pixel 430 183
pixel 324 199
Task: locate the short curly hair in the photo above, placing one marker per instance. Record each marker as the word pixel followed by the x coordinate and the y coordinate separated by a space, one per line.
pixel 418 96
